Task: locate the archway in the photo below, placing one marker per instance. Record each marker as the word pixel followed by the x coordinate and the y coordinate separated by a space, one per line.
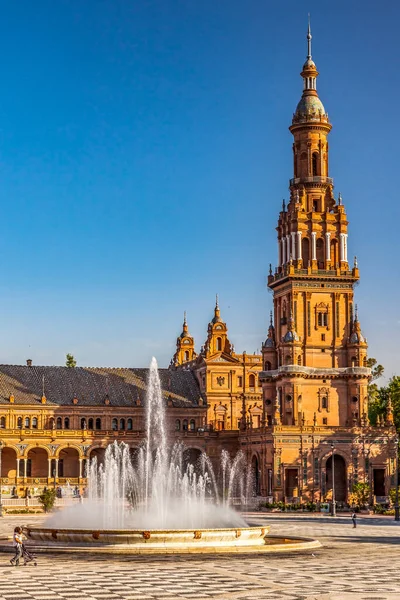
pixel 68 464
pixel 8 463
pixel 37 463
pixel 98 453
pixel 320 253
pixel 255 472
pixel 340 477
pixel 191 457
pixel 305 249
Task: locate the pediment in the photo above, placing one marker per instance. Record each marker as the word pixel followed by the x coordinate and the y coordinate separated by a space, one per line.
pixel 221 357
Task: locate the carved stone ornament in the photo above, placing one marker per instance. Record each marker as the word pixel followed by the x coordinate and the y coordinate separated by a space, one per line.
pixel 220 380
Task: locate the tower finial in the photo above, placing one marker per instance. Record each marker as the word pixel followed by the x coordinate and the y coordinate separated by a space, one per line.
pixel 216 301
pixel 309 38
pixel 270 318
pixel 356 313
pixel 184 318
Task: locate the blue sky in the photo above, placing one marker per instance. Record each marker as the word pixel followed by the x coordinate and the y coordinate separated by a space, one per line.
pixel 144 155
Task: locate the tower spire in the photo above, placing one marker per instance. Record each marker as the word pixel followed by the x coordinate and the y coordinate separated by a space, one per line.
pixel 185 325
pixel 309 38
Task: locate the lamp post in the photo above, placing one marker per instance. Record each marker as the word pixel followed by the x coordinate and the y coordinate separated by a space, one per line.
pixel 1 498
pixel 333 481
pixel 396 504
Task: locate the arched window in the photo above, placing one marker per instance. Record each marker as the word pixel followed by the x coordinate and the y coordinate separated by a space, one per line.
pixel 353 361
pixel 288 359
pixel 177 425
pixel 305 251
pixel 66 423
pixel 2 423
pixel 129 425
pixel 114 424
pixel 324 402
pixel 98 423
pixel 252 381
pixel 299 360
pixel 186 355
pixel 315 164
pixel 185 425
pixel 59 423
pixel 267 365
pixel 219 344
pixel 90 423
pixel 320 253
pixel 334 253
pixel 365 364
pixel 192 425
pixel 122 424
pixel 34 423
pixel 27 422
pixel 52 423
pixel 83 423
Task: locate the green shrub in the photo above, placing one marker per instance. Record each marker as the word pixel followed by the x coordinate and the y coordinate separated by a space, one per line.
pixel 47 499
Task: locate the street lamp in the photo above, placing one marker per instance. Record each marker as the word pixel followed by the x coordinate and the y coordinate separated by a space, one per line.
pixel 396 505
pixel 333 481
pixel 1 499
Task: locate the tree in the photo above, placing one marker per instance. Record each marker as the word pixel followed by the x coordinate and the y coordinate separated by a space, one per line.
pixel 47 499
pixel 376 396
pixel 377 370
pixel 70 361
pixel 359 495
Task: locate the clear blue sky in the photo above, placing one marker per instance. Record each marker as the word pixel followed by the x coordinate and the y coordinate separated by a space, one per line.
pixel 144 155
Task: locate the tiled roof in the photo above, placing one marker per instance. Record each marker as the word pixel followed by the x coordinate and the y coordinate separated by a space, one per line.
pixel 91 386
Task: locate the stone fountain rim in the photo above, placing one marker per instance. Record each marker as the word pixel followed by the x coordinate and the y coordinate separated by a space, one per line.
pixel 140 531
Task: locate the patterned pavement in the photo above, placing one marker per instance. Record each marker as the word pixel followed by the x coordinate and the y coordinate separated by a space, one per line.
pixel 362 563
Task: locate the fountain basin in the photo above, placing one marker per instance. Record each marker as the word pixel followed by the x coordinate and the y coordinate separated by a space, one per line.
pixel 158 541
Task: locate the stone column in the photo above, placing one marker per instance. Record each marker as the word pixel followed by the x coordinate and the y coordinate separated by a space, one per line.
pixel 49 468
pixel 313 245
pixel 328 246
pixel 299 254
pixel 80 468
pixel 283 251
pixel 288 248
pixel 18 459
pixel 56 475
pixel 345 247
pixel 341 248
pixel 25 468
pixel 294 245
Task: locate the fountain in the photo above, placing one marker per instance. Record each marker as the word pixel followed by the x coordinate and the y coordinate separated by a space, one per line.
pixel 157 501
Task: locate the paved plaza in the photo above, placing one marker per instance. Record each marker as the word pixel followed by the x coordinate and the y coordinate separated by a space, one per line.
pixel 359 563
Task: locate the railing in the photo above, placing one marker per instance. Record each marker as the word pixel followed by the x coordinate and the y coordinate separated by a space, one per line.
pixel 315 179
pixel 362 371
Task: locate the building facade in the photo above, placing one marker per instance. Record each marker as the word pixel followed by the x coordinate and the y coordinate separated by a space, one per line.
pixel 296 410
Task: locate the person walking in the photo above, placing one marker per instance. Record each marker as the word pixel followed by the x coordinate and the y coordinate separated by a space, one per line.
pixel 17 543
pixel 354 519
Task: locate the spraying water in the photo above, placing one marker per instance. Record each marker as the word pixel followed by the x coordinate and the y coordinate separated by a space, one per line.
pixel 157 487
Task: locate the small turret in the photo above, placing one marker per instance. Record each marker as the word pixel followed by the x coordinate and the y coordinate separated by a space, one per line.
pixel 217 338
pixel 184 346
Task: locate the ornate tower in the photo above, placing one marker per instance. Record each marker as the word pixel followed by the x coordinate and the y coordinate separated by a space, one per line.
pixel 184 346
pixel 217 335
pixel 315 353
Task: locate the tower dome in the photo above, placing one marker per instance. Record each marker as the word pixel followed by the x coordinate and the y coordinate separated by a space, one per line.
pixel 310 107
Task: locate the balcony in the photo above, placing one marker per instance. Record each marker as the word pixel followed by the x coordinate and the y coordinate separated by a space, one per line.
pixel 316 179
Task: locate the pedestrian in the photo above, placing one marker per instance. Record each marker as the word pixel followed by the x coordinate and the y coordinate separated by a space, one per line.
pixel 17 543
pixel 354 519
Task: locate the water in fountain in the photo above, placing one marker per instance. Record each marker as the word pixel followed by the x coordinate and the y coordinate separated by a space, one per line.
pixel 157 488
